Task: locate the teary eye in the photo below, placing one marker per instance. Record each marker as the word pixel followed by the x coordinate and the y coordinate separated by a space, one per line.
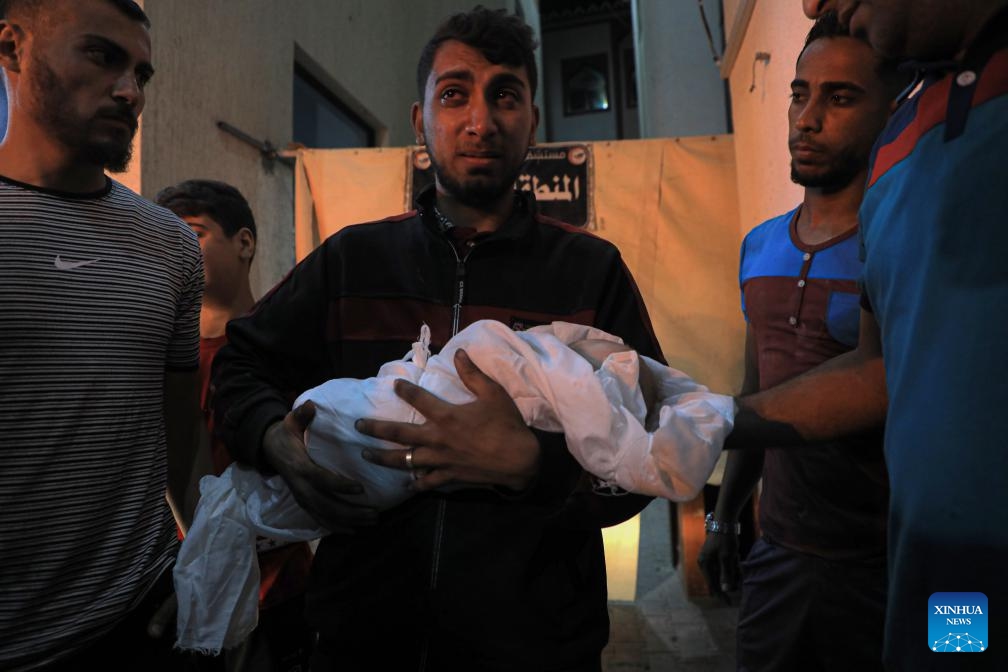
pixel 98 55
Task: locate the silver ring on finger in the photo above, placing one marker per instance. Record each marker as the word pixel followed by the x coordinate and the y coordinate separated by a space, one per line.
pixel 409 459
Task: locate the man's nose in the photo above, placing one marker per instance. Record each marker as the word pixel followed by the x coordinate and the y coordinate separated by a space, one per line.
pixel 481 117
pixel 815 8
pixel 809 118
pixel 128 90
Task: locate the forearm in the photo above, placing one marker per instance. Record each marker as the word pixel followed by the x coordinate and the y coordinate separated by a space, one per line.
pixel 183 435
pixel 843 396
pixel 272 355
pixel 557 473
pixel 563 489
pixel 602 510
pixel 246 407
pixel 586 508
pixel 250 390
pixel 743 469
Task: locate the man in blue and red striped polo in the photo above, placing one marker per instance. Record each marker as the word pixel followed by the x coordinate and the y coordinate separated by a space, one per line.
pixel 933 236
pixel 822 511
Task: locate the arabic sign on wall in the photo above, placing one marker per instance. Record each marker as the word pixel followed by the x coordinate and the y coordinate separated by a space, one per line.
pixel 560 176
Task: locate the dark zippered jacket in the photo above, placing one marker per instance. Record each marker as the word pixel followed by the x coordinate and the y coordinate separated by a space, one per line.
pixel 474 579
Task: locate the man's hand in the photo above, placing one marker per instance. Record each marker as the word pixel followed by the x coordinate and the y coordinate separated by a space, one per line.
pixel 483 442
pixel 163 620
pixel 719 563
pixel 315 489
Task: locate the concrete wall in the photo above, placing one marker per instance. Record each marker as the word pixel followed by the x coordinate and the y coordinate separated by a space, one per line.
pixel 233 60
pixel 680 89
pixel 760 115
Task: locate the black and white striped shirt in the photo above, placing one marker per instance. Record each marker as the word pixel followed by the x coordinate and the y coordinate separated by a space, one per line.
pixel 99 295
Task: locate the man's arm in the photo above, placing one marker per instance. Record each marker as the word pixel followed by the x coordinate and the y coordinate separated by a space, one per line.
pixel 845 395
pixel 272 355
pixel 313 487
pixel 183 431
pixel 188 461
pixel 718 558
pixel 180 403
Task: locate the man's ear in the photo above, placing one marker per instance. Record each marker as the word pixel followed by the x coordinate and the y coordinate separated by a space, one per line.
pixel 246 244
pixel 416 120
pixel 11 36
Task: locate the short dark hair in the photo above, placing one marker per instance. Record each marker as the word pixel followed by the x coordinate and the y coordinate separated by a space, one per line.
pixel 217 200
pixel 499 36
pixel 828 26
pixel 127 7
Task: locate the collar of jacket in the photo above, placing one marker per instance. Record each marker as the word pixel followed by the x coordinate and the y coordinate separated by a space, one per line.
pixel 519 226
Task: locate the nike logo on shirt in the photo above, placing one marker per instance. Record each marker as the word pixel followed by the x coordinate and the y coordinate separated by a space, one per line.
pixel 64 265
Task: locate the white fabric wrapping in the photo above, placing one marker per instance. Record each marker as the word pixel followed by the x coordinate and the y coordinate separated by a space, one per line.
pixel 602 414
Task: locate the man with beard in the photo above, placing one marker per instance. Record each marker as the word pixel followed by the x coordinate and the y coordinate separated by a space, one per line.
pixel 100 293
pixel 822 511
pixel 505 570
pixel 932 230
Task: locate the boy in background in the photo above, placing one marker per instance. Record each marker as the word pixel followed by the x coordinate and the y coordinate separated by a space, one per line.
pixel 223 222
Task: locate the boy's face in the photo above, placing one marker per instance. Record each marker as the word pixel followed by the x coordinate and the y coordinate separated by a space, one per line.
pixel 226 259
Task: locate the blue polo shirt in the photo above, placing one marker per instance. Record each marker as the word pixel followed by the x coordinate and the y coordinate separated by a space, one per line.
pixel 801 303
pixel 934 235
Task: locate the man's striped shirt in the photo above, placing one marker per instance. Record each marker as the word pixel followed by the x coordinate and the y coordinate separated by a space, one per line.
pixel 99 295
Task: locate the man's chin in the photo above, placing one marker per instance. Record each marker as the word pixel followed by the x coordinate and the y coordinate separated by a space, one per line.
pixel 117 168
pixel 478 190
pixel 813 174
pixel 481 195
pixel 112 157
pixel 827 182
pixel 805 177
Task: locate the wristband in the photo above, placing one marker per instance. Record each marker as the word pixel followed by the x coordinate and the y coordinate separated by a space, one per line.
pixel 718 527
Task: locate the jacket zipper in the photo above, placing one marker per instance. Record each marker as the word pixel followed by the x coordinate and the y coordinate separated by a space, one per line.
pixel 460 272
pixel 459 291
